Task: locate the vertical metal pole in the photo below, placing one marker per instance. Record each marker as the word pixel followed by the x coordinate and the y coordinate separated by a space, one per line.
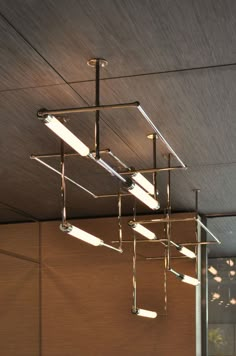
pixel 165 283
pixel 97 103
pixel 154 177
pixel 134 308
pixel 204 292
pixel 63 184
pixel 168 212
pixel 119 221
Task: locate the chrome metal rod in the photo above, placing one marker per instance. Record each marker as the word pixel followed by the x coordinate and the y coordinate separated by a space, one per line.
pixel 162 258
pixel 134 307
pixel 107 168
pixel 165 282
pixel 97 113
pixel 68 154
pixel 147 118
pixel 67 178
pixel 208 231
pixel 42 113
pixel 63 186
pixel 164 220
pixel 142 241
pixel 119 221
pixel 194 243
pixel 152 170
pixel 113 195
pixel 154 175
pixel 168 224
pixel 118 160
pixel 112 248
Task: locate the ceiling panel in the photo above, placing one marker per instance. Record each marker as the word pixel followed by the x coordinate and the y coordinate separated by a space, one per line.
pixel 225 228
pixel 194 111
pixel 21 66
pixel 134 36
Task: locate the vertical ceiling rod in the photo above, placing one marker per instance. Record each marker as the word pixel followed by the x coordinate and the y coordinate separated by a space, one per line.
pixel 168 212
pixel 134 306
pixel 63 184
pixel 119 220
pixel 97 114
pixel 154 143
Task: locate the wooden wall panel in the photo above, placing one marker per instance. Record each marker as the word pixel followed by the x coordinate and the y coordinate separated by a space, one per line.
pixel 87 297
pixel 22 239
pixel 19 307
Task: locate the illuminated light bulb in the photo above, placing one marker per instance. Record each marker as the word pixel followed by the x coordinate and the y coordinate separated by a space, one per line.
pixel 218 279
pixel 184 278
pixel 144 183
pixel 66 135
pixel 212 270
pixel 145 313
pixel 232 273
pixel 230 262
pixel 232 301
pixel 185 251
pixel 143 230
pixel 140 194
pixel 189 280
pixel 215 295
pixel 82 235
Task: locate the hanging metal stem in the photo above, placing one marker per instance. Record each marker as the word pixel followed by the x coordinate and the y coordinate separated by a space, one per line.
pixel 97 103
pixel 168 212
pixel 154 139
pixel 119 221
pixel 134 307
pixel 63 185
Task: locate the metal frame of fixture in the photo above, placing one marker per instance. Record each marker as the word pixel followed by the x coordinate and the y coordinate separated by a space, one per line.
pixel 131 180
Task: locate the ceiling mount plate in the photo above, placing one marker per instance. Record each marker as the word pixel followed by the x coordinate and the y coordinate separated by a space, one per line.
pixel 152 136
pixel 93 61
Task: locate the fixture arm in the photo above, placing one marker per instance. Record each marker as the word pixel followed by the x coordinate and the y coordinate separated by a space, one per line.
pixel 147 118
pixel 97 103
pixel 168 224
pixel 44 112
pixel 154 175
pixel 63 185
pixel 134 307
pixel 119 220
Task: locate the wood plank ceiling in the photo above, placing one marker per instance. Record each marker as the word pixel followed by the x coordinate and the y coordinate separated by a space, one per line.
pixel 177 58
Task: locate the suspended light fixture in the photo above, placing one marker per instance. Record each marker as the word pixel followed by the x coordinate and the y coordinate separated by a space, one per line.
pixel 145 313
pixel 185 251
pixel 186 279
pixel 144 183
pixel 133 180
pixel 82 235
pixel 139 193
pixel 142 230
pixel 66 135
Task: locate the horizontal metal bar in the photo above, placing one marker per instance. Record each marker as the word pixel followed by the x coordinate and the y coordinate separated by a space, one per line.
pixel 147 118
pixel 153 170
pixel 162 258
pixel 67 178
pixel 42 113
pixel 112 248
pixel 147 240
pixel 53 155
pixel 113 195
pixel 219 215
pixel 208 231
pixel 164 220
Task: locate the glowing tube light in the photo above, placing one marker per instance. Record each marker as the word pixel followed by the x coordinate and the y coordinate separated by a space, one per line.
pixel 82 235
pixel 66 135
pixel 146 313
pixel 144 183
pixel 143 196
pixel 185 251
pixel 190 280
pixel 143 231
pixel 184 278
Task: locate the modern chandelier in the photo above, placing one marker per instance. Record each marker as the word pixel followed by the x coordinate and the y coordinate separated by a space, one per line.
pixel 132 182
